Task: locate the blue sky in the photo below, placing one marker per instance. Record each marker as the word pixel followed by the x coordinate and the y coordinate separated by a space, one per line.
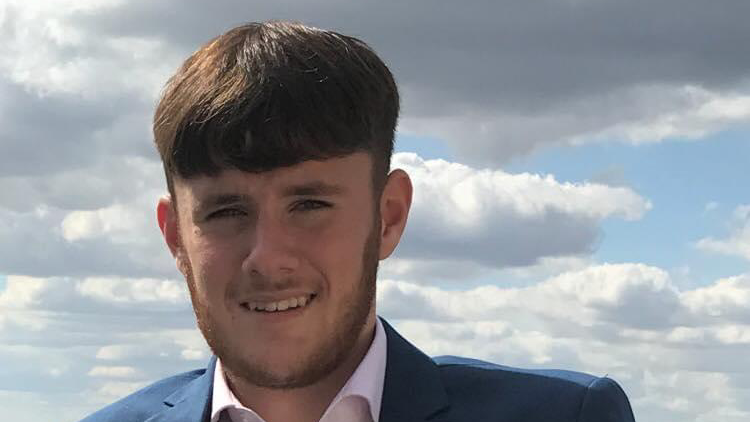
pixel 680 177
pixel 632 260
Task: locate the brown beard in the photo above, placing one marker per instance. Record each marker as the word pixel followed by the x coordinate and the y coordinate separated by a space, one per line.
pixel 331 354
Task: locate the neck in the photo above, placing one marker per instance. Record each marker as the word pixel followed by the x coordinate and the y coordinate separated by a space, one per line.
pixel 306 404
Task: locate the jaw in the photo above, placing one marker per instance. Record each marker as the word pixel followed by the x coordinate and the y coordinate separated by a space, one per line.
pixel 298 352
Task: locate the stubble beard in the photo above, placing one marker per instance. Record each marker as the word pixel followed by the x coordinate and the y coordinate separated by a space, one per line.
pixel 328 355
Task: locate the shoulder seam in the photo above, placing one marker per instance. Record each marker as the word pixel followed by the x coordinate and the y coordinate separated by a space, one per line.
pixel 471 365
pixel 586 397
pixel 493 367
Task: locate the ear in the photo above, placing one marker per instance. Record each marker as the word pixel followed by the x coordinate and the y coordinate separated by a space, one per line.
pixel 166 215
pixel 395 203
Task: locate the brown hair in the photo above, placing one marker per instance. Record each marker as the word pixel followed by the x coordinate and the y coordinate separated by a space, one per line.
pixel 273 94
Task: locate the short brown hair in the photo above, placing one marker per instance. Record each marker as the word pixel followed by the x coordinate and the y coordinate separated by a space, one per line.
pixel 273 94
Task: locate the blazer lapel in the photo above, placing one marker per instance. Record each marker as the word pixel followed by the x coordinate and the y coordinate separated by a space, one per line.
pixel 191 403
pixel 413 389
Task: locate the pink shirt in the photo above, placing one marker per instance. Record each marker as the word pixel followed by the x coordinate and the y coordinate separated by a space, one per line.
pixel 357 401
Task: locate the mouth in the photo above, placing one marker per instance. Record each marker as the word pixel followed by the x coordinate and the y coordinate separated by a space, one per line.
pixel 282 306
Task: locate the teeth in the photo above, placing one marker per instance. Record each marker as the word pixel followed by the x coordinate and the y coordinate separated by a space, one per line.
pixel 281 305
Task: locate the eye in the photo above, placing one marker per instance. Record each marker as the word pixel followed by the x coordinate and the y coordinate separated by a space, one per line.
pixel 310 205
pixel 225 212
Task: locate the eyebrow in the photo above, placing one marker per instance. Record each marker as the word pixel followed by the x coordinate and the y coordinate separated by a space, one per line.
pixel 217 200
pixel 316 188
pixel 313 189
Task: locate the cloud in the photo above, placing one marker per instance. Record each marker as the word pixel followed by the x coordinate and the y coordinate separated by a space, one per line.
pixel 481 217
pixel 146 348
pixel 674 356
pixel 738 243
pixel 640 114
pixel 711 206
pixel 517 81
pixel 498 219
pixel 705 112
pixel 94 295
pixel 94 337
pixel 46 405
pixel 94 291
pixel 625 320
pixel 133 291
pixel 629 295
pixel 109 221
pixel 114 390
pixel 727 298
pixel 113 371
pixel 118 237
pixel 464 273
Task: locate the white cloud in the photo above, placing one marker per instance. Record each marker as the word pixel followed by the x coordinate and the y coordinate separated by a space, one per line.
pixel 133 291
pixel 488 219
pixel 192 354
pixel 738 243
pixel 710 335
pixel 80 179
pixel 711 206
pixel 464 273
pixel 113 221
pixel 499 219
pixel 21 291
pixel 50 28
pixel 114 352
pixel 46 406
pixel 734 334
pixel 121 239
pixel 727 298
pixel 696 112
pixel 629 295
pixel 476 195
pixel 114 390
pixel 625 320
pixel 92 294
pixel 113 372
pixel 695 395
pixel 637 114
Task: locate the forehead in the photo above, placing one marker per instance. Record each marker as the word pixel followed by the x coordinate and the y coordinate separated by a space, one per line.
pixel 349 173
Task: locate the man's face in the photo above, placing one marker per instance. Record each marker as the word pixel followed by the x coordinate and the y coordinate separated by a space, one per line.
pixel 252 246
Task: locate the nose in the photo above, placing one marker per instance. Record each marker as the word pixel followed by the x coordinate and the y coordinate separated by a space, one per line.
pixel 272 254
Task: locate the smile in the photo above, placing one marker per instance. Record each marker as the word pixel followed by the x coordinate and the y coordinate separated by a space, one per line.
pixel 281 305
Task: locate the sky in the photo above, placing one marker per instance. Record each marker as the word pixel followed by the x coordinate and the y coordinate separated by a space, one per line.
pixel 580 197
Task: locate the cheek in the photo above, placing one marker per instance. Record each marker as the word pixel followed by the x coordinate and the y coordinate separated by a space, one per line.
pixel 340 253
pixel 213 268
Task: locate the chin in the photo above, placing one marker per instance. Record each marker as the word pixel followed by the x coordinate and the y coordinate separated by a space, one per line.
pixel 280 372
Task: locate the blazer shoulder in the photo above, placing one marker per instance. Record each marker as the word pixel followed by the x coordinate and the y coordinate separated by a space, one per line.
pixel 143 403
pixel 606 401
pixel 533 394
pixel 475 366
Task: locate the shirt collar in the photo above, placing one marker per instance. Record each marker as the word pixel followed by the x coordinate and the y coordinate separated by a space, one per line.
pixel 222 396
pixel 366 381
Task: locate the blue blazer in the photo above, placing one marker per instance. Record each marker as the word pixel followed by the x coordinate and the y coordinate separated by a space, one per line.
pixel 416 388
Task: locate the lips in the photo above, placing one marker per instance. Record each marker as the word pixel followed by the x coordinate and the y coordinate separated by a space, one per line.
pixel 290 303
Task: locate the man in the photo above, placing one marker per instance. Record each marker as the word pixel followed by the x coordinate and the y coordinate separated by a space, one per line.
pixel 276 141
